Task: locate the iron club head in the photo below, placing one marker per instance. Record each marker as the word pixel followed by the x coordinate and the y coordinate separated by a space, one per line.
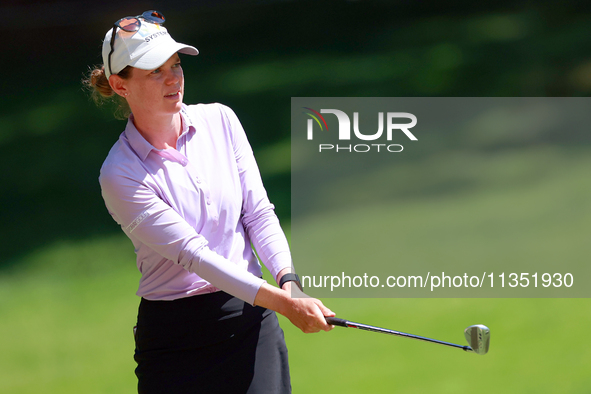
pixel 478 337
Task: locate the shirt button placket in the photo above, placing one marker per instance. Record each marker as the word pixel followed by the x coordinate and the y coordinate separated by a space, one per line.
pixel 206 193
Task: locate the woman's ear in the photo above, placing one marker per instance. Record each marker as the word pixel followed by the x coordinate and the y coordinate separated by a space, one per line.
pixel 118 85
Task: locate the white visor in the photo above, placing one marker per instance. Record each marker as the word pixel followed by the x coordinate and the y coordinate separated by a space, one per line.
pixel 148 48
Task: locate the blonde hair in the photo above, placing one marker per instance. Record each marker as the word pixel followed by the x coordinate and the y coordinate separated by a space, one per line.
pixel 101 92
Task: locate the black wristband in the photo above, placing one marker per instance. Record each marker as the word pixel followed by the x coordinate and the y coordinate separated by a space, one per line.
pixel 290 278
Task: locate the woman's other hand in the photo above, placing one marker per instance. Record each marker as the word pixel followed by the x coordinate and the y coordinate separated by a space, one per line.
pixel 304 312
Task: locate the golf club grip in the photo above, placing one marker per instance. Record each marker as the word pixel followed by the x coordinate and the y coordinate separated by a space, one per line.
pixel 335 321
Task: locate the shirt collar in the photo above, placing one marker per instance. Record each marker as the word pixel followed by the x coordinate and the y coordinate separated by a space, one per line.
pixel 187 121
pixel 141 146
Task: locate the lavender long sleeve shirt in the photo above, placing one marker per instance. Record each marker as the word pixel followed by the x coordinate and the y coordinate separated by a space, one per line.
pixel 192 212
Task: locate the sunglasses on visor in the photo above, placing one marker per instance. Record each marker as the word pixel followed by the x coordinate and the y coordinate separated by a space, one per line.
pixel 132 24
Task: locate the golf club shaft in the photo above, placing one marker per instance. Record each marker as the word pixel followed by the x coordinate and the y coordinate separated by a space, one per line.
pixel 348 324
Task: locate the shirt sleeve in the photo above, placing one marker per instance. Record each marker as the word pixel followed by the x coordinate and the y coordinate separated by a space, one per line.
pixel 143 215
pixel 259 218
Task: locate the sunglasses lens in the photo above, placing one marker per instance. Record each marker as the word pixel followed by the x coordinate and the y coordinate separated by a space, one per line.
pixel 129 24
pixel 154 16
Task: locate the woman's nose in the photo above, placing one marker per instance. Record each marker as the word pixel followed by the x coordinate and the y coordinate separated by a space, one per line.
pixel 171 77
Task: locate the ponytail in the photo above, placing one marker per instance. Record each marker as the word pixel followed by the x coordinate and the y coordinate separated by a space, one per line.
pixel 101 92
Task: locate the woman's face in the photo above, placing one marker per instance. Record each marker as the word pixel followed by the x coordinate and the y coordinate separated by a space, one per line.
pixel 156 92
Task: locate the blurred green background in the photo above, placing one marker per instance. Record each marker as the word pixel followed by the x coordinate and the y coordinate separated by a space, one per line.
pixel 68 275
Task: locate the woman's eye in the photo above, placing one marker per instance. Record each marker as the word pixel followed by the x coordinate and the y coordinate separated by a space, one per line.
pixel 156 71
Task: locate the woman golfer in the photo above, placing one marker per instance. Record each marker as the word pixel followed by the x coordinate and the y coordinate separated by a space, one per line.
pixel 183 184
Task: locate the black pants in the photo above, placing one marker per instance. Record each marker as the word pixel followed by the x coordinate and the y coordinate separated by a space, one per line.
pixel 212 343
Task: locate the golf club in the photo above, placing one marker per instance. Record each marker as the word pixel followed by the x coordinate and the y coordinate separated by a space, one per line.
pixel 478 336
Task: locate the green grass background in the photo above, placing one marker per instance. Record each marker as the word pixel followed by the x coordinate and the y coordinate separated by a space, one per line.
pixel 72 308
pixel 70 330
pixel 67 273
